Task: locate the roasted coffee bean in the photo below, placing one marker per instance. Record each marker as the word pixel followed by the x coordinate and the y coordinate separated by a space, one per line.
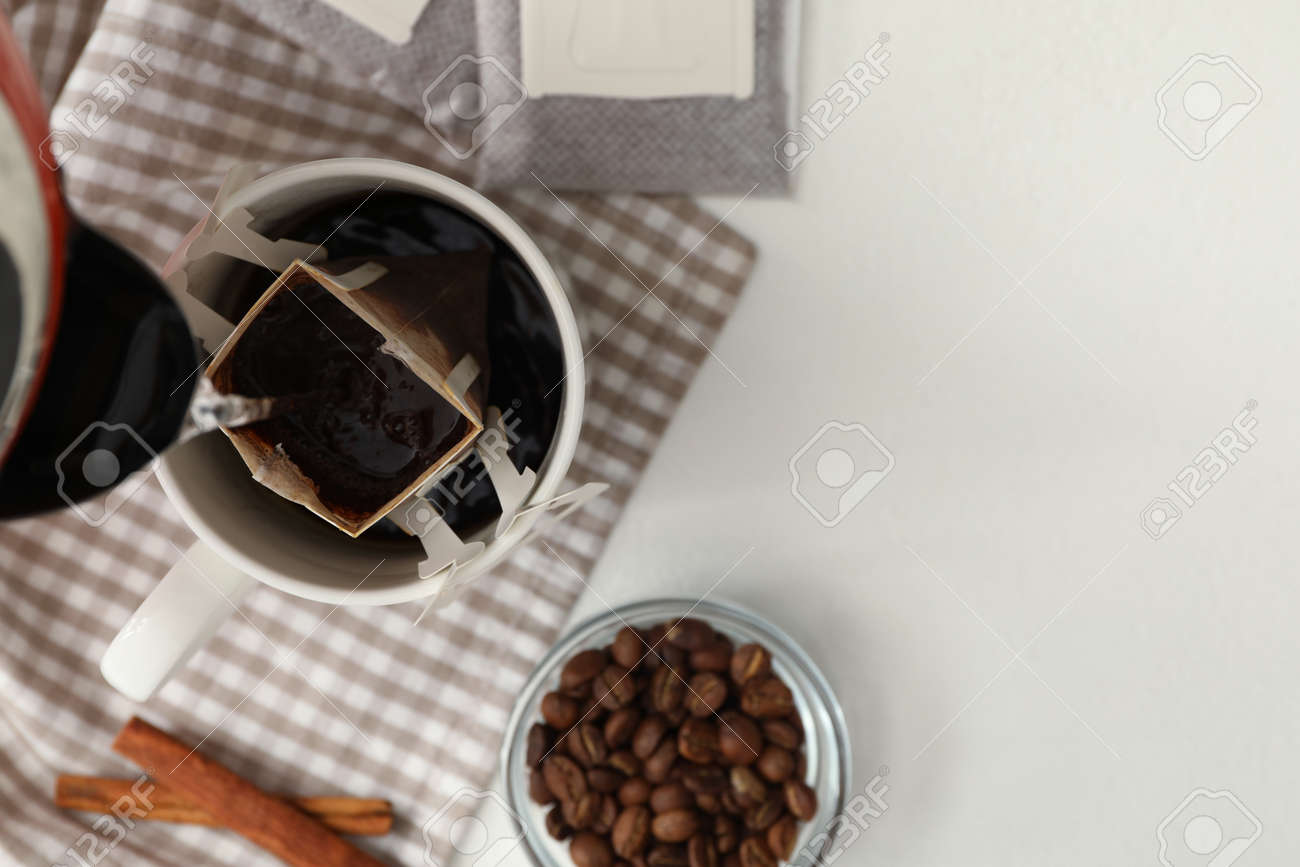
pixel 783 733
pixel 697 740
pixel 761 816
pixel 631 831
pixel 749 789
pixel 648 735
pixel 564 777
pixel 675 826
pixel 635 791
pixel 706 693
pixel 715 657
pixel 670 796
pixel 754 853
pixel 562 743
pixel 624 762
pixel 726 834
pixel 581 812
pixel 781 837
pixel 608 813
pixel 689 633
pixel 555 824
pixel 559 710
pixel 538 790
pixel 628 647
pixel 701 851
pixel 605 780
pixel 705 779
pixel 775 763
pixel 621 725
pixel 766 697
pixel 646 700
pixel 591 850
pixel 582 668
pixel 579 692
pixel 673 656
pixel 748 662
pixel 587 745
pixel 800 766
pixel 666 855
pixel 668 689
pixel 731 805
pixel 654 646
pixel 708 802
pixel 731 859
pixel 590 710
pixel 540 741
pixel 800 800
pixel 677 715
pixel 614 687
pixel 739 738
pixel 661 761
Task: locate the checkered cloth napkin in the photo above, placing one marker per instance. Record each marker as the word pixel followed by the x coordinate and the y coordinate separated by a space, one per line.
pixel 299 698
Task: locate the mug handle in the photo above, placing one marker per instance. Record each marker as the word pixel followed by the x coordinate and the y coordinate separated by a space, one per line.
pixel 175 620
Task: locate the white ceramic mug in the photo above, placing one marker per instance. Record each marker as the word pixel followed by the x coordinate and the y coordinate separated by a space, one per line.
pixel 244 536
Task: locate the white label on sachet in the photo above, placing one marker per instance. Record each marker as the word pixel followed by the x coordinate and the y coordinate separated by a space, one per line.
pixel 634 49
pixel 392 19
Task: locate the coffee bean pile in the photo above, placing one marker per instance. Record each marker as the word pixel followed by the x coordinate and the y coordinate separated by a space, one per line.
pixel 687 755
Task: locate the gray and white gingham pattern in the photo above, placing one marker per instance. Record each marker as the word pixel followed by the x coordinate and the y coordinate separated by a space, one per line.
pixel 367 705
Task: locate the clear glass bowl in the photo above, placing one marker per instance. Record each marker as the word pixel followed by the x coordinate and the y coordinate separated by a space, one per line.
pixel 826 743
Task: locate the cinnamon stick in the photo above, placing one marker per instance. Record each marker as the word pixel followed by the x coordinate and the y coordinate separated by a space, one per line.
pixel 277 827
pixel 358 816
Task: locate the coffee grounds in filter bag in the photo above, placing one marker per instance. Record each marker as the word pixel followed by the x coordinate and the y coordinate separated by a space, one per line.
pixel 370 429
pixel 372 426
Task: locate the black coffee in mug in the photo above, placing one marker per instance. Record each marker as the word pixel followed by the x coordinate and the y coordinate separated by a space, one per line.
pixel 355 420
pixel 523 343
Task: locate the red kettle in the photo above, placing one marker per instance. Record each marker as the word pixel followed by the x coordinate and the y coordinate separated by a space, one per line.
pixel 97 364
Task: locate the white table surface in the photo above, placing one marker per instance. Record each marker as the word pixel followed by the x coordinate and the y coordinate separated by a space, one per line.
pixel 1045 310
